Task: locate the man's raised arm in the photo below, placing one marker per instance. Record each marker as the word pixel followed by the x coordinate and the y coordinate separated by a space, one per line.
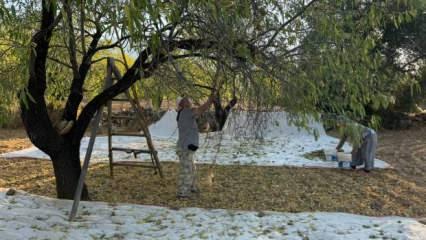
pixel 201 109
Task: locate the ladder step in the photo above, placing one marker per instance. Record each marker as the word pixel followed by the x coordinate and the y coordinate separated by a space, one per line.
pixel 120 100
pixel 127 134
pixel 122 117
pixel 133 163
pixel 131 150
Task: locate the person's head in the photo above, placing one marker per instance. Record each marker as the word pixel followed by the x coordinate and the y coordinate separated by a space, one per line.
pixel 184 103
pixel 341 122
pixel 340 125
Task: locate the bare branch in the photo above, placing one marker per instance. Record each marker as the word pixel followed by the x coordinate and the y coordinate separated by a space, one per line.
pixel 288 22
pixel 82 30
pixel 413 61
pixel 63 47
pixel 76 95
pixel 71 39
pixel 60 62
pixel 114 45
pixel 99 60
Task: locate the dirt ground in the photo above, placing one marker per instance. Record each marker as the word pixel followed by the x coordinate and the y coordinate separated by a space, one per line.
pixel 13 139
pixel 400 191
pixel 405 150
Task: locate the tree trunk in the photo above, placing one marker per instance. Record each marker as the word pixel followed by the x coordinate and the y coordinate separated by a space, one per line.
pixel 67 168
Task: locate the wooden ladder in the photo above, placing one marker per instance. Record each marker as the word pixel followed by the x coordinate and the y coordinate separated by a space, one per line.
pixel 112 75
pixel 112 69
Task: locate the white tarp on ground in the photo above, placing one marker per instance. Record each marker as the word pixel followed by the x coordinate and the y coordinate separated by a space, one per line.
pixel 281 144
pixel 25 216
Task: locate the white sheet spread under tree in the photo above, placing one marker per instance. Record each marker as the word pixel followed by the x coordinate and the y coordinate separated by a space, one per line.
pixel 26 216
pixel 247 138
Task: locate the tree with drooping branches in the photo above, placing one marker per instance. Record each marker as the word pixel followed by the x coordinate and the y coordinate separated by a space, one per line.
pixel 264 45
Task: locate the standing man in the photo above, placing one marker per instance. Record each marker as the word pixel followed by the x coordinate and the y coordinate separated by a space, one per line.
pixel 188 143
pixel 365 151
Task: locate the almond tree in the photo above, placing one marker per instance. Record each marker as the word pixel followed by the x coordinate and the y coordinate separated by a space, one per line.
pixel 259 42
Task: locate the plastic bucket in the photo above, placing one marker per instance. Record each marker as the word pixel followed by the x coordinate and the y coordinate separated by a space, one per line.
pixel 330 155
pixel 344 157
pixel 344 164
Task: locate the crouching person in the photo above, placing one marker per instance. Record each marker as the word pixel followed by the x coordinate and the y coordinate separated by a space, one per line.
pixel 363 153
pixel 188 143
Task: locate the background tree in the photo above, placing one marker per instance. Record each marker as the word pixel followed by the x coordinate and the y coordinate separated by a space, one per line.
pixel 404 46
pixel 363 49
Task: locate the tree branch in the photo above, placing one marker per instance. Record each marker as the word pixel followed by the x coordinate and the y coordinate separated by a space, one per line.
pixel 34 113
pixel 99 60
pixel 288 22
pixel 114 45
pixel 76 93
pixel 59 61
pixel 82 30
pixel 413 61
pixel 71 39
